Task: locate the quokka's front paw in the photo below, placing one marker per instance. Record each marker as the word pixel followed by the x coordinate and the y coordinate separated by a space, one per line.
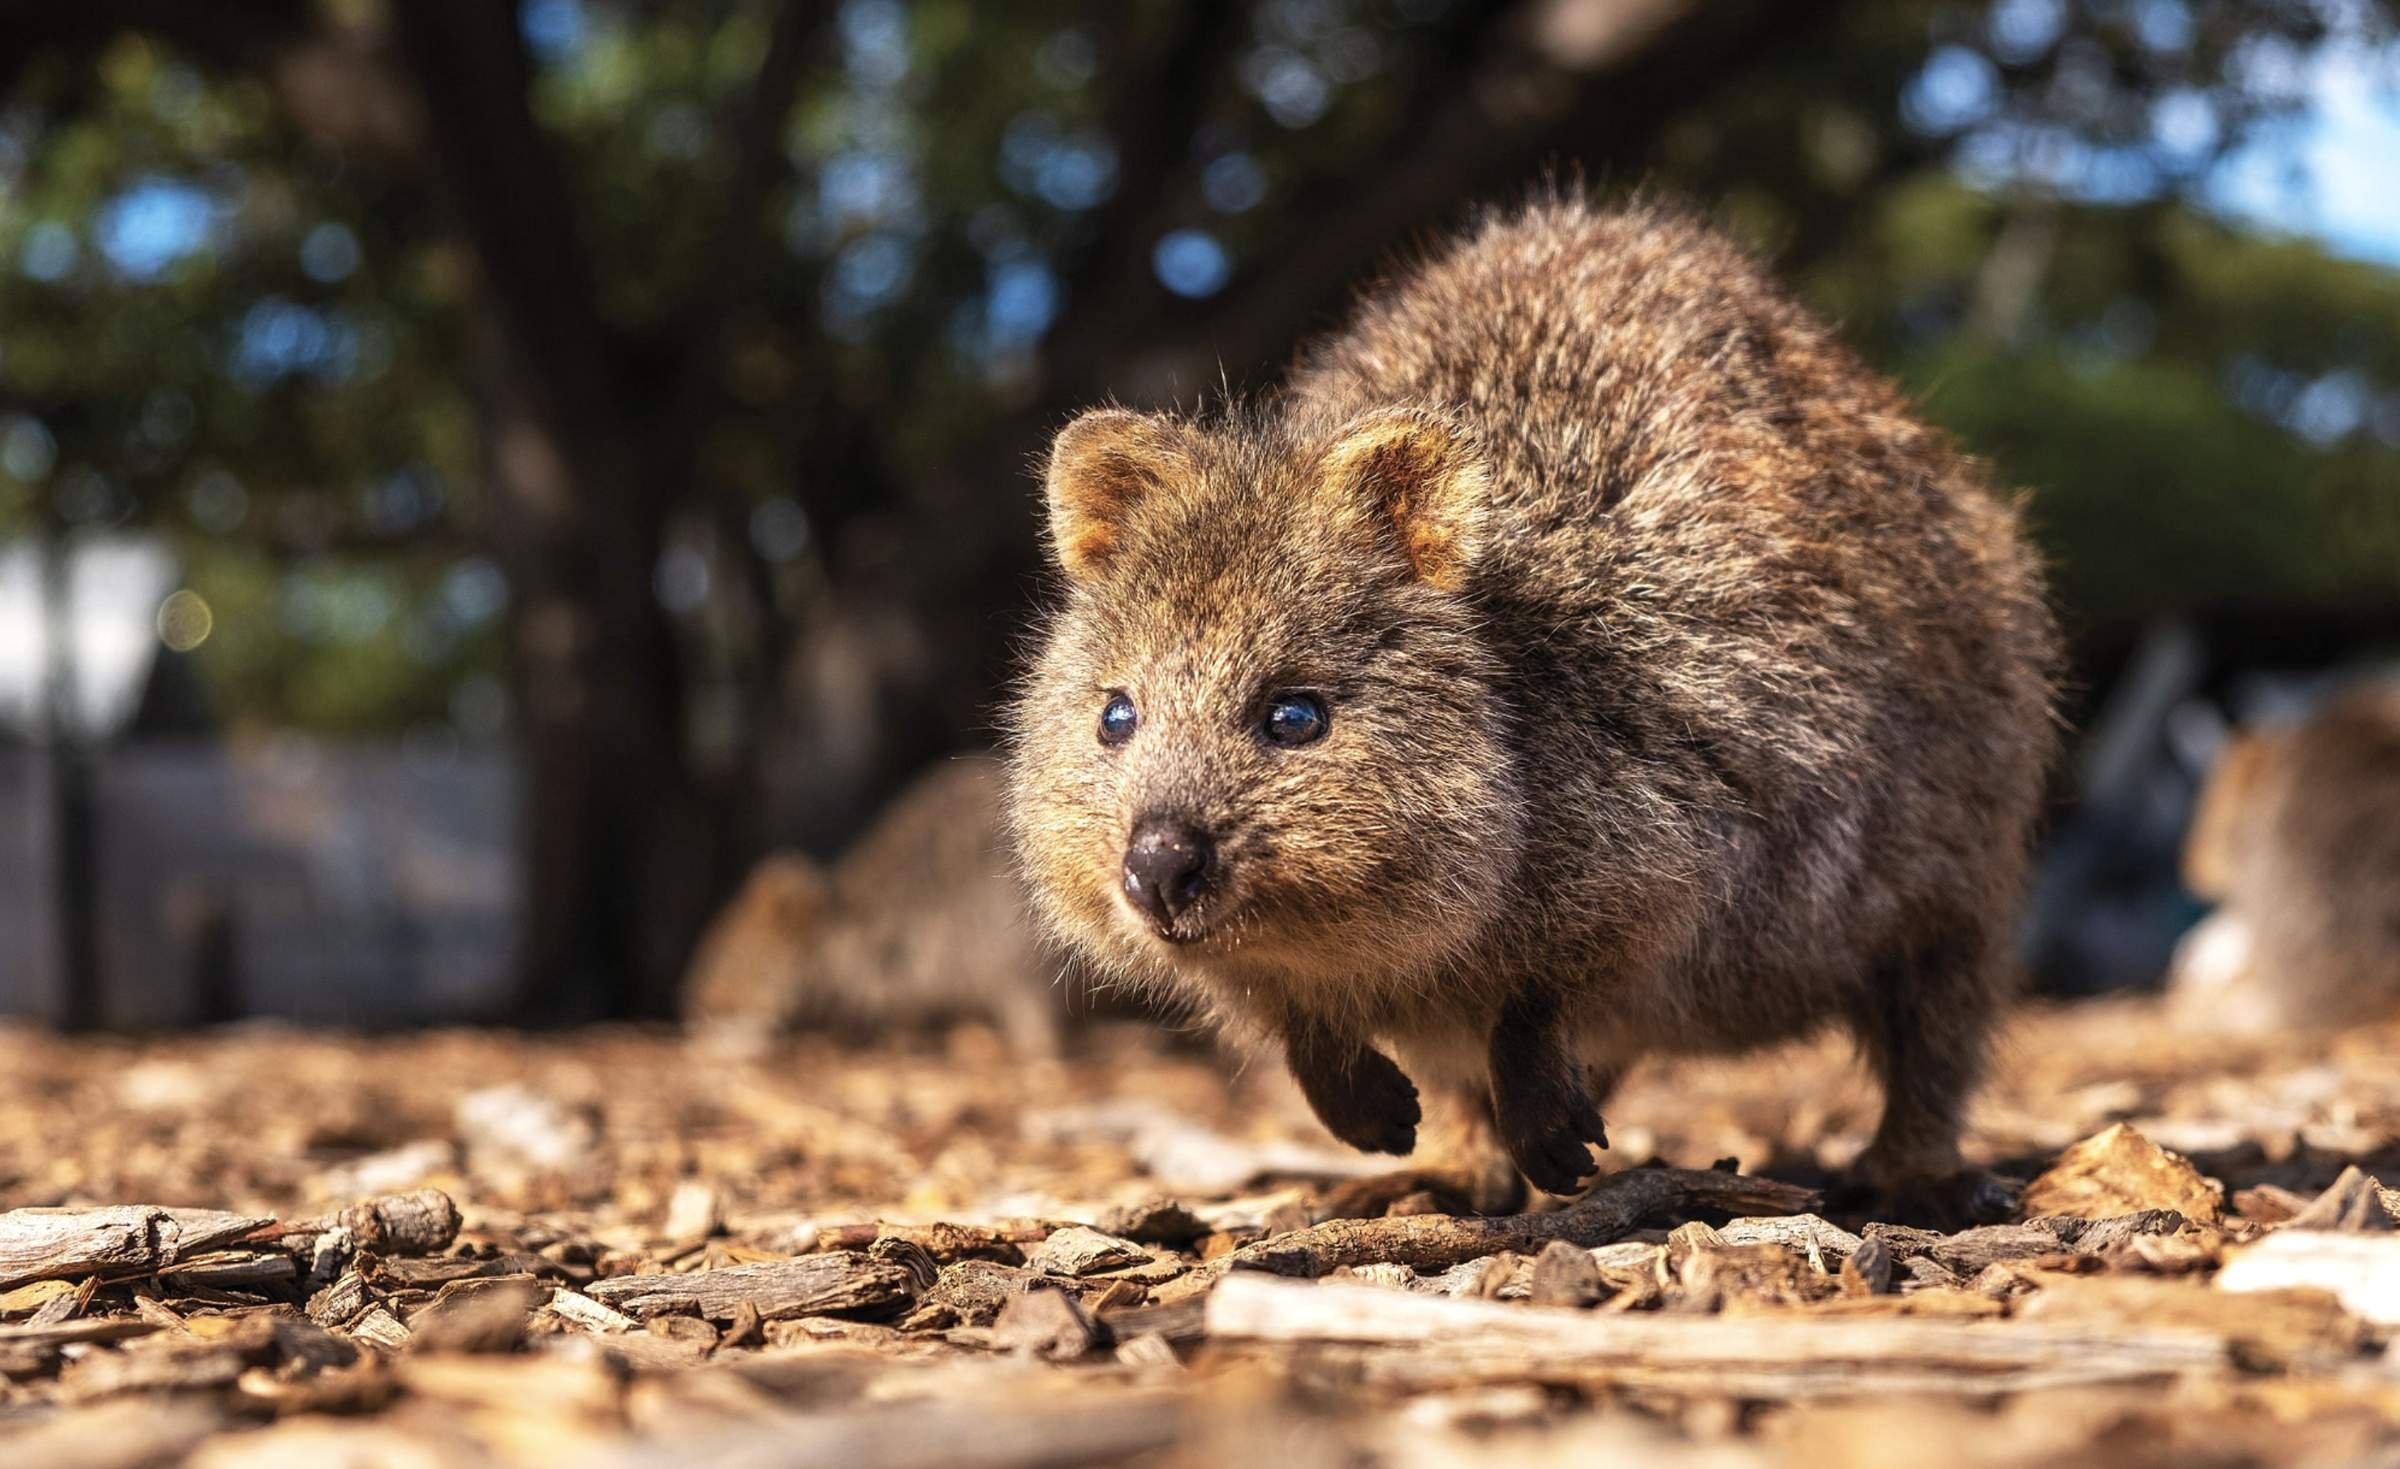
pixel 1360 1096
pixel 1375 1108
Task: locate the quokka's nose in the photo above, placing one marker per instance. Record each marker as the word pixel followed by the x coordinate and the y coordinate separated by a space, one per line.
pixel 1168 866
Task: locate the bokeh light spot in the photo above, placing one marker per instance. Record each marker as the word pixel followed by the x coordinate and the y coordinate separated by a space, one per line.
pixel 1191 263
pixel 185 620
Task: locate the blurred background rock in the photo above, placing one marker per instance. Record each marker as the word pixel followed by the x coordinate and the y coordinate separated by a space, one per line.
pixel 474 476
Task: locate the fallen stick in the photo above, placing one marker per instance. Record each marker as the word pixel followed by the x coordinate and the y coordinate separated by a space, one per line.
pixel 1491 1341
pixel 1616 1206
pixel 123 1239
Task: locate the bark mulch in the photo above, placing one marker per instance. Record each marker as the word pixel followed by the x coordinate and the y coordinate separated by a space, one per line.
pixel 271 1247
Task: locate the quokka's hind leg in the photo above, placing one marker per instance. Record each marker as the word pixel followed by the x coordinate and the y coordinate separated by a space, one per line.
pixel 1926 1028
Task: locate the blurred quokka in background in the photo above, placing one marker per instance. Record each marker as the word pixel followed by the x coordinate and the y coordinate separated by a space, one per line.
pixel 2296 838
pixel 920 924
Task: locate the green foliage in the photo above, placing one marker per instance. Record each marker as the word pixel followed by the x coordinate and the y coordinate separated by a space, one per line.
pixel 2155 397
pixel 279 390
pixel 2151 492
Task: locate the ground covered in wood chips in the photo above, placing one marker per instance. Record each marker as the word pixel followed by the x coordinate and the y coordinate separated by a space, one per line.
pixel 606 1247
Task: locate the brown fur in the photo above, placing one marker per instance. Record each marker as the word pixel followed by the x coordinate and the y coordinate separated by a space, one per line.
pixel 2297 838
pixel 921 922
pixel 1687 694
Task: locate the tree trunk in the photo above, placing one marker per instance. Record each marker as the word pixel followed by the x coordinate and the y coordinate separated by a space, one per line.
pixel 617 861
pixel 619 865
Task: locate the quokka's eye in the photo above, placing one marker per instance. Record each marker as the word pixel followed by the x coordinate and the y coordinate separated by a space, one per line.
pixel 1117 720
pixel 1295 719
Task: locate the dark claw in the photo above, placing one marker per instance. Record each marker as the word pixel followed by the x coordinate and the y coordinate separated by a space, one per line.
pixel 1542 1101
pixel 1545 1135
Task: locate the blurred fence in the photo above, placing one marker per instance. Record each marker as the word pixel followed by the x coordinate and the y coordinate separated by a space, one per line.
pixel 366 884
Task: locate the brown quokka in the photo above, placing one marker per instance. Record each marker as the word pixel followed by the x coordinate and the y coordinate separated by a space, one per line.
pixel 2297 839
pixel 1583 657
pixel 920 923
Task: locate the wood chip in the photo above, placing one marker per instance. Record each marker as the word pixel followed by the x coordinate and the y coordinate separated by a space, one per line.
pixel 517 1126
pixel 2267 1203
pixel 2362 1270
pixel 123 1434
pixel 159 1314
pixel 487 1315
pixel 420 1223
pixel 1045 1322
pixel 2104 1236
pixel 1868 1271
pixel 588 1313
pixel 1155 1222
pixel 29 1298
pixel 944 1242
pixel 744 1327
pixel 65 1306
pixel 378 1327
pixel 2064 1338
pixel 812 1285
pixel 115 1328
pixel 2354 1202
pixel 1565 1275
pixel 2274 1330
pixel 971 1293
pixel 1804 1232
pixel 688 1339
pixel 234 1270
pixel 1076 1250
pixel 695 1212
pixel 173 1365
pixel 2119 1171
pixel 1149 1352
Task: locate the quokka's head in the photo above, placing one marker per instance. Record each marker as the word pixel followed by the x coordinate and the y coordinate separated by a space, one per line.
pixel 1264 742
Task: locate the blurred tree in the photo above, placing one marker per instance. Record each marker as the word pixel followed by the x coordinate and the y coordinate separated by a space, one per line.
pixel 678 359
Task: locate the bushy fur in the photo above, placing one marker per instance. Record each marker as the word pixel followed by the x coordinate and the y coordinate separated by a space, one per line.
pixel 1716 711
pixel 2297 838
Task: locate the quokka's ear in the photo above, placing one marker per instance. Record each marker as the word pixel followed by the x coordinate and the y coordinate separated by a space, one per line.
pixel 1101 466
pixel 1422 475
